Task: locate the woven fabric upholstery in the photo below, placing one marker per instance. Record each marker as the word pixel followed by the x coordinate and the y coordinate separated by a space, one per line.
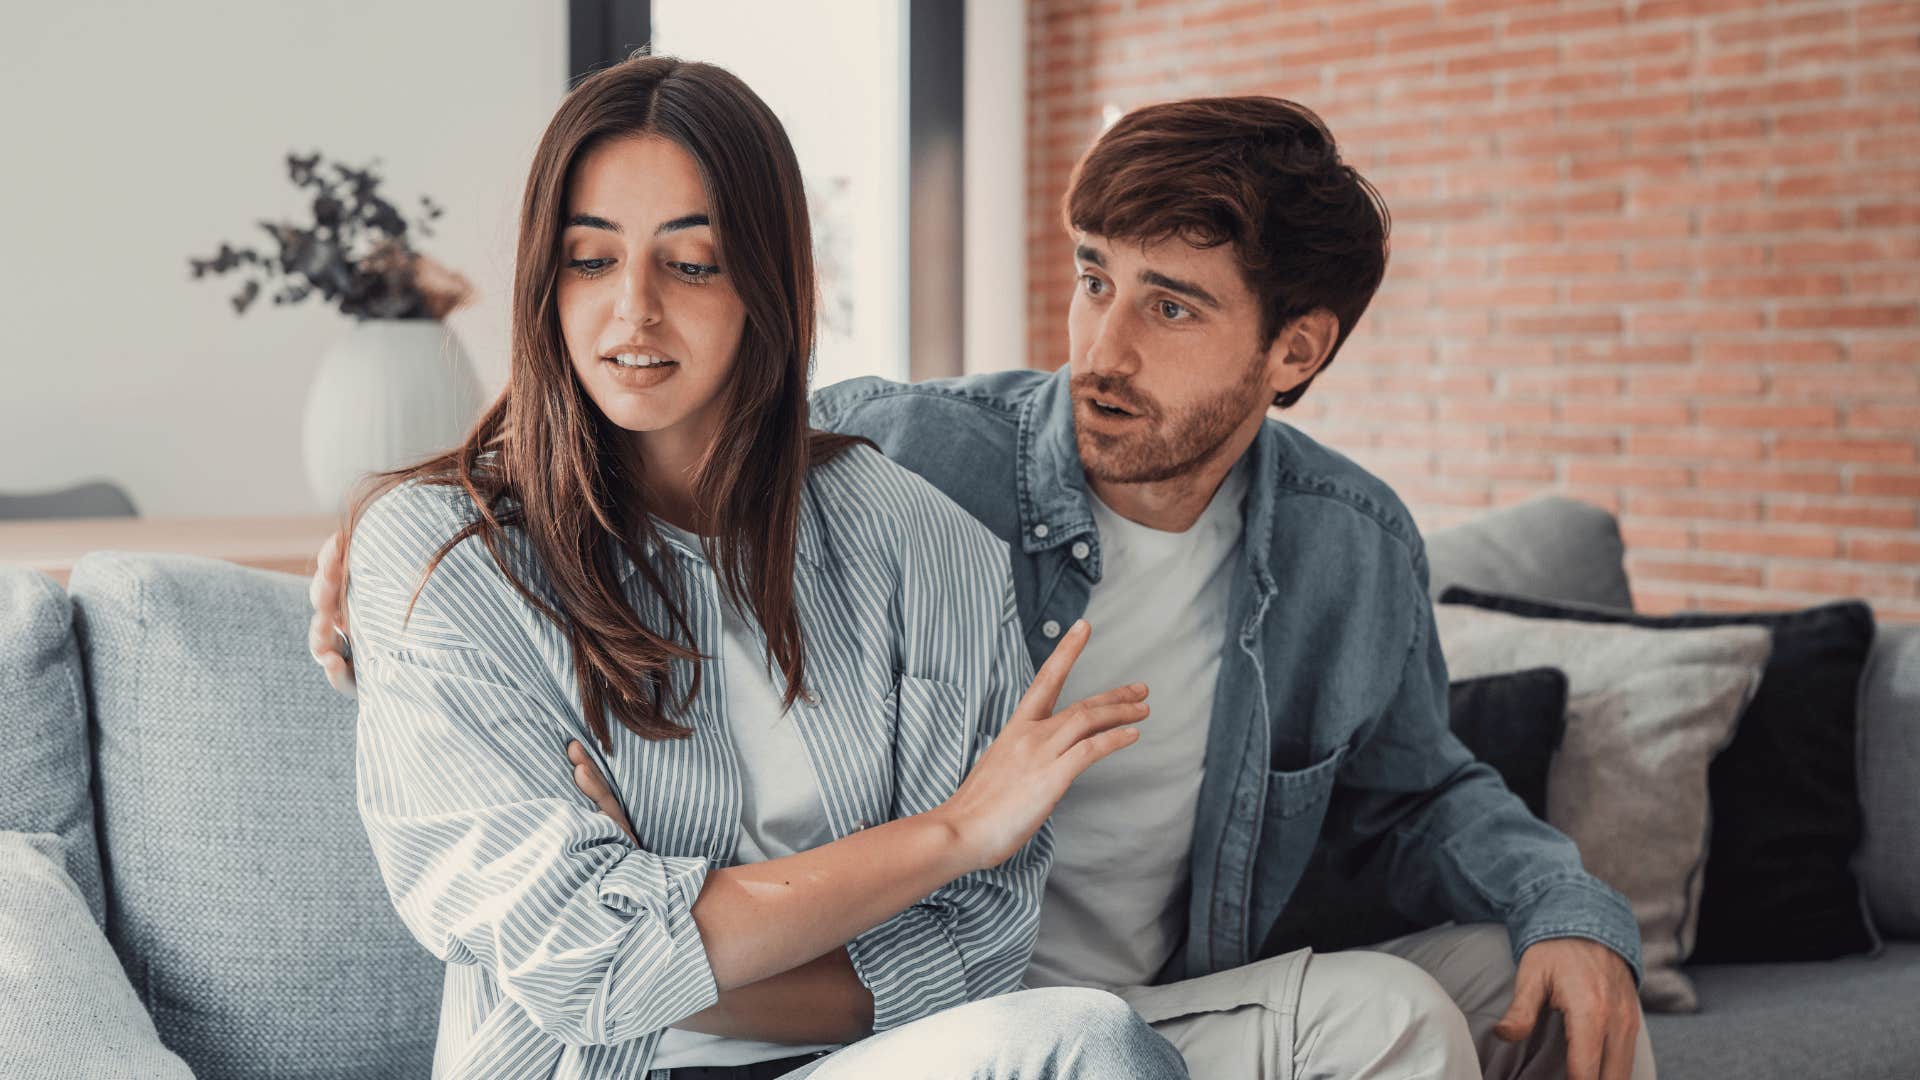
pixel 1848 1019
pixel 244 899
pixel 1889 746
pixel 65 1007
pixel 43 726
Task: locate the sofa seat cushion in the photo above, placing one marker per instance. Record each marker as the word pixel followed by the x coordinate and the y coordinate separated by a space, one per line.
pixel 43 727
pixel 1889 860
pixel 243 897
pixel 1850 1019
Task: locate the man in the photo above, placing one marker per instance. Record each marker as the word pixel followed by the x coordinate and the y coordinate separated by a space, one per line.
pixel 1274 596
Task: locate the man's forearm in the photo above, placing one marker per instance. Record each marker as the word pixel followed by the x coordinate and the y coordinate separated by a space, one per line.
pixel 821 1001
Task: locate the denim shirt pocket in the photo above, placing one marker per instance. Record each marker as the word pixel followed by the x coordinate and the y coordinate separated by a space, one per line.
pixel 1296 806
pixel 1292 792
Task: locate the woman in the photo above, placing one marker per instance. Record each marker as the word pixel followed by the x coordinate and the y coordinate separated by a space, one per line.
pixel 806 649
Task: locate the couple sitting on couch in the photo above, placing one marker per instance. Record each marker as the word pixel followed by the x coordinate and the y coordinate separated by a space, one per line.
pixel 817 840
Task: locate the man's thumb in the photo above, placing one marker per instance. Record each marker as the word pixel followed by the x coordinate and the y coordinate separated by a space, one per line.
pixel 1523 1013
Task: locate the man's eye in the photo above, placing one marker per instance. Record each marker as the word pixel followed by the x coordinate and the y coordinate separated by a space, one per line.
pixel 1172 311
pixel 1093 284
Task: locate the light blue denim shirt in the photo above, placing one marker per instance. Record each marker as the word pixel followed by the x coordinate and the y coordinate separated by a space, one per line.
pixel 1332 691
pixel 569 947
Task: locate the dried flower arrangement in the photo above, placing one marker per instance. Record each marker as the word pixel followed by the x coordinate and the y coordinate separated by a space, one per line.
pixel 356 253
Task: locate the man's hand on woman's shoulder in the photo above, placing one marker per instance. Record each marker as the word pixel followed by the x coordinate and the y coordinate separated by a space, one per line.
pixel 327 630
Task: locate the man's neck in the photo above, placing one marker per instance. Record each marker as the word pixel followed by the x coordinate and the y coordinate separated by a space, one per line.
pixel 1174 504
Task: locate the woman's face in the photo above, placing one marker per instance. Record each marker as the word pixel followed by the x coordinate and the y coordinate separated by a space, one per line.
pixel 650 318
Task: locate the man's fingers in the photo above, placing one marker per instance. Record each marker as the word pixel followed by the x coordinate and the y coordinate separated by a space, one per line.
pixel 1038 702
pixel 1586 1043
pixel 1528 997
pixel 1621 1043
pixel 339 674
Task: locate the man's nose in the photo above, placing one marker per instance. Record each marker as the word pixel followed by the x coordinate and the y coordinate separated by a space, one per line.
pixel 1113 349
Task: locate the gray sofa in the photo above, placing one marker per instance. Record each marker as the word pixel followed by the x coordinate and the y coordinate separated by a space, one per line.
pixel 176 781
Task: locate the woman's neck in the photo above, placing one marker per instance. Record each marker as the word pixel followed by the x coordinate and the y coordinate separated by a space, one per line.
pixel 666 469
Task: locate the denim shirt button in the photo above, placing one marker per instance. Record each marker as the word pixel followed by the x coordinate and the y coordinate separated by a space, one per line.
pixel 1040 531
pixel 1081 550
pixel 1050 628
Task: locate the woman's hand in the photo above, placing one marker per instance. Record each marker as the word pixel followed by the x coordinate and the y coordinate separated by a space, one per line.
pixel 1015 784
pixel 327 630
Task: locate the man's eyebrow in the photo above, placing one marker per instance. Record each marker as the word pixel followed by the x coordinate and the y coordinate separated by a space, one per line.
pixel 1184 288
pixel 594 221
pixel 1088 255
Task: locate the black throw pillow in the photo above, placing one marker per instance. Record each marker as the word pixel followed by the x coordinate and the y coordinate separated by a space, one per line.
pixel 1785 794
pixel 1513 722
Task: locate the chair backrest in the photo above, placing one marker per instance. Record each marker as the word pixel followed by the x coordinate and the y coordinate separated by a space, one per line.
pixel 96 500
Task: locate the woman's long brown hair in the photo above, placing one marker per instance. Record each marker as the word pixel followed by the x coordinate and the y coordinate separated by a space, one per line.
pixel 544 460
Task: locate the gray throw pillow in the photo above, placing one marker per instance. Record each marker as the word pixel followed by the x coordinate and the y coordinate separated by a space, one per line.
pixel 44 757
pixel 1647 710
pixel 66 1008
pixel 1549 548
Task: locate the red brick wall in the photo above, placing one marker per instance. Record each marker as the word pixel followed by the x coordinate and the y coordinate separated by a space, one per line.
pixel 1661 255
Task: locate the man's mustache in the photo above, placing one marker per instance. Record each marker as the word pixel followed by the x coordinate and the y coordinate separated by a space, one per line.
pixel 1113 389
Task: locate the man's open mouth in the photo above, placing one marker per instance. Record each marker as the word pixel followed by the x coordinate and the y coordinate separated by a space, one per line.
pixel 1108 408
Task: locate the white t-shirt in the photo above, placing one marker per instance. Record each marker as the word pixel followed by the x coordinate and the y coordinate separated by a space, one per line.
pixel 1116 901
pixel 781 811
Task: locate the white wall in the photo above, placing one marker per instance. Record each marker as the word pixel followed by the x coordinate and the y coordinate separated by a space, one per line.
pixel 996 185
pixel 136 134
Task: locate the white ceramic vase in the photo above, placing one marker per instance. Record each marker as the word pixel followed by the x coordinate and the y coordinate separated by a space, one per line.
pixel 388 392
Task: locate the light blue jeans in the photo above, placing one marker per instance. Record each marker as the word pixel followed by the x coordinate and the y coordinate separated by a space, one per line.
pixel 1059 1033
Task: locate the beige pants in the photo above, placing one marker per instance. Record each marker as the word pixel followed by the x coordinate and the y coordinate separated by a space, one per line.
pixel 1419 1006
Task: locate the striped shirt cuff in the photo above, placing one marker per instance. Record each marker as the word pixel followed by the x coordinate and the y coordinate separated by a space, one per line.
pixel 658 975
pixel 911 966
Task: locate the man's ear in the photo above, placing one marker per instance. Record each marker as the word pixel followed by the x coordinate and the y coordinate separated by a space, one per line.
pixel 1300 349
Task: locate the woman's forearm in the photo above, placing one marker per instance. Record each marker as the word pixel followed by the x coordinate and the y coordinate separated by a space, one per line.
pixel 765 918
pixel 821 1001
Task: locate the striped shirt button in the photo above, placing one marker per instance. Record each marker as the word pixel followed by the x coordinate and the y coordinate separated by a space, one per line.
pixel 1050 628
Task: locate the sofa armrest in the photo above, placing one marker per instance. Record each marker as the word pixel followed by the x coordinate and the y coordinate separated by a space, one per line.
pixel 1889 749
pixel 66 1008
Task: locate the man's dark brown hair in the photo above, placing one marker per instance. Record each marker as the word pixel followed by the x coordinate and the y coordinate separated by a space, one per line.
pixel 1259 173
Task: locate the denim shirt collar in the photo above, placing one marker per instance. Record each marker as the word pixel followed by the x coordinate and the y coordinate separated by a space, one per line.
pixel 1053 494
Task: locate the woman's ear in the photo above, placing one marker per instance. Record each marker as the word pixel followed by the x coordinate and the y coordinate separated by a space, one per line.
pixel 1300 349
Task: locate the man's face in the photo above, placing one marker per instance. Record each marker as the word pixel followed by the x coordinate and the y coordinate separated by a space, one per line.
pixel 1164 345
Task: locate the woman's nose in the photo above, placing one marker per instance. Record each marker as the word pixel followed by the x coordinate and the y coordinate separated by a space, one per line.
pixel 639 303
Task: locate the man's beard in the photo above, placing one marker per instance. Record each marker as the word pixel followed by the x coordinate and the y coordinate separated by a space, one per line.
pixel 1170 446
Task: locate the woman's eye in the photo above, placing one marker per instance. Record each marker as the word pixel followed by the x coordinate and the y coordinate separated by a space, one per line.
pixel 698 273
pixel 589 267
pixel 1172 311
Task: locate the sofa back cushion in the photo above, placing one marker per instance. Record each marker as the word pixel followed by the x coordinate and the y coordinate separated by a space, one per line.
pixel 242 896
pixel 1549 548
pixel 43 727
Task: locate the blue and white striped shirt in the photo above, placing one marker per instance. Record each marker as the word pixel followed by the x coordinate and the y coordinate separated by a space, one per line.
pixel 568 948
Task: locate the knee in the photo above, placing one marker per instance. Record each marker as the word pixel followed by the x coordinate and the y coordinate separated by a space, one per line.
pixel 1379 998
pixel 1098 1035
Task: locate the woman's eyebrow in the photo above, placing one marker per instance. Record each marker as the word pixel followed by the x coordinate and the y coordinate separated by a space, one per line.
pixel 595 221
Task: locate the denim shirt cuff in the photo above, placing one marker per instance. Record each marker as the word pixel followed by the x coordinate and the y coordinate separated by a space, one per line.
pixel 1577 907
